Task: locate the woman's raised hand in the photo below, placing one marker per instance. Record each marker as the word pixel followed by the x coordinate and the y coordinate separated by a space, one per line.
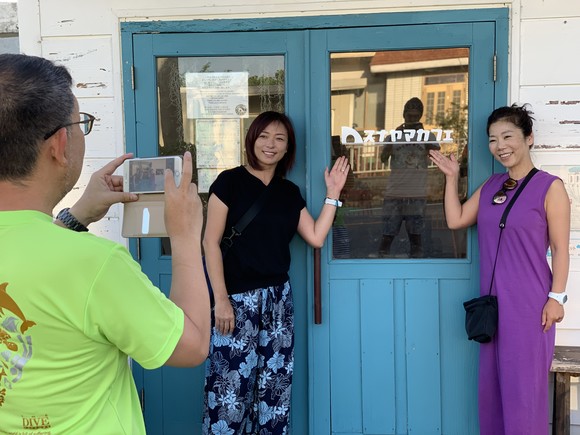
pixel 448 165
pixel 336 177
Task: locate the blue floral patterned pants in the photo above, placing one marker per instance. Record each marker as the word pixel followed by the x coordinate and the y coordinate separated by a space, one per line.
pixel 248 377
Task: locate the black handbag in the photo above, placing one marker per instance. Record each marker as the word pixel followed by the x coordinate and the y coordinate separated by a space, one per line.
pixel 482 313
pixel 481 317
pixel 236 230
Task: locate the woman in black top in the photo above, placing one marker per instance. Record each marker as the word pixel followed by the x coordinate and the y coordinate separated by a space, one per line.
pixel 249 372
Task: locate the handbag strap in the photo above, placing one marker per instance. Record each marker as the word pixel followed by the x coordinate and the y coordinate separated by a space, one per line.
pixel 503 220
pixel 249 215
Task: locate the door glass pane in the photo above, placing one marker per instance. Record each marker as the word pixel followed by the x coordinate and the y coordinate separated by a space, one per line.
pixel 388 109
pixel 206 105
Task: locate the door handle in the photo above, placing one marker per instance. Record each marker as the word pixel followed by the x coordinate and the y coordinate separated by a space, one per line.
pixel 317 288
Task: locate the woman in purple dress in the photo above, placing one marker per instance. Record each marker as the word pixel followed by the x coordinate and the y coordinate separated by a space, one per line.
pixel 514 366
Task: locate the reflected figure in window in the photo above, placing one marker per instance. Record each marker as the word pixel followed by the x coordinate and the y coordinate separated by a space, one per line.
pixel 407 156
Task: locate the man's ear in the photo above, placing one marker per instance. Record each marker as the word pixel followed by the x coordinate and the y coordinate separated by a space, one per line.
pixel 57 146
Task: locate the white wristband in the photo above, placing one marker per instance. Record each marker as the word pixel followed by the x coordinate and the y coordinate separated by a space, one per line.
pixel 334 202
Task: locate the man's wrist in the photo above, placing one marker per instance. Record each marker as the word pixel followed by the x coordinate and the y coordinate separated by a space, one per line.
pixel 70 221
pixel 79 214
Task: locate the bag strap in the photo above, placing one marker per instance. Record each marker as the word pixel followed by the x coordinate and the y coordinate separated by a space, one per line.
pixel 511 203
pixel 503 219
pixel 249 215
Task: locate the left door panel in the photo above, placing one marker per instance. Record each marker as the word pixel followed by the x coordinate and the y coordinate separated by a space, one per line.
pixel 199 92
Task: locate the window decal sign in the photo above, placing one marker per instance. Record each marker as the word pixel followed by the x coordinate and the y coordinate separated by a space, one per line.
pixel 397 136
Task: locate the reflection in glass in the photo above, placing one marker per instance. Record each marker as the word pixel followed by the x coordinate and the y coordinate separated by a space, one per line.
pixel 388 109
pixel 206 105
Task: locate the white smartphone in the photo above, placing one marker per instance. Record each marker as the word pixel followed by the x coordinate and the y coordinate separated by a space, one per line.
pixel 147 175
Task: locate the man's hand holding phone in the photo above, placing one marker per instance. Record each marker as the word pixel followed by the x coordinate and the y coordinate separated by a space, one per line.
pixel 183 207
pixel 103 190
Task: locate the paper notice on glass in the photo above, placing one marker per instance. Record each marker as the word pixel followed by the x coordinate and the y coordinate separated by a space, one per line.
pixel 217 143
pixel 205 177
pixel 217 95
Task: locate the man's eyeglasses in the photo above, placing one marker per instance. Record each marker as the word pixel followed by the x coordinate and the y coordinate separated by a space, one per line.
pixel 501 196
pixel 86 124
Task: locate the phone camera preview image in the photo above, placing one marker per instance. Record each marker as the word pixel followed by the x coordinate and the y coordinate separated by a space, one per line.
pixel 148 175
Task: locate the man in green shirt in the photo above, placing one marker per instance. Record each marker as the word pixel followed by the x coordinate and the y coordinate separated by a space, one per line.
pixel 73 306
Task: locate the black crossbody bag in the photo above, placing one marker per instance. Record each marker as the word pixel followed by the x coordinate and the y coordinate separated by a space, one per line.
pixel 237 229
pixel 481 314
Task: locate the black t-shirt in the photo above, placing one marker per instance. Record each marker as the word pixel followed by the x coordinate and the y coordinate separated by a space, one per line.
pixel 260 257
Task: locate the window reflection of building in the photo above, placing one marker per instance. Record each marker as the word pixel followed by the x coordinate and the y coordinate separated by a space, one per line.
pixel 177 130
pixel 368 90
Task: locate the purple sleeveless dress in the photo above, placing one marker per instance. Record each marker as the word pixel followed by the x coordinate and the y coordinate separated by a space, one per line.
pixel 514 366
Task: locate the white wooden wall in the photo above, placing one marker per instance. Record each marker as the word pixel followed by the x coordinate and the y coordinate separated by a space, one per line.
pixel 544 71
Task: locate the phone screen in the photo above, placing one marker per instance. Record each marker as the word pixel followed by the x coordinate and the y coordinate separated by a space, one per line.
pixel 148 175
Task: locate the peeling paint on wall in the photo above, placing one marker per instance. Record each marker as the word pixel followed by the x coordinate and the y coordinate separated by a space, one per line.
pixel 555 147
pixel 91 85
pixel 68 58
pixel 564 103
pixel 8 18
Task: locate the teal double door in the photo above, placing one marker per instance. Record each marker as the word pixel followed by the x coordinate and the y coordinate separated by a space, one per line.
pixel 380 346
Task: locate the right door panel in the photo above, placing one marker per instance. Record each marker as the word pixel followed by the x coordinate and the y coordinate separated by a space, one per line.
pixel 391 355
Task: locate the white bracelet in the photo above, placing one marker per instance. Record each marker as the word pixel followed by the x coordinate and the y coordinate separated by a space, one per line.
pixel 334 202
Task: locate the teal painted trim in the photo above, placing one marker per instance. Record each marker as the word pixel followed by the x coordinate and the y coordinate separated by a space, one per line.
pixel 129 111
pixel 318 22
pixel 128 93
pixel 502 51
pixel 215 44
pixel 399 269
pixel 296 63
pixel 319 133
pixel 481 102
pixel 501 85
pixel 146 128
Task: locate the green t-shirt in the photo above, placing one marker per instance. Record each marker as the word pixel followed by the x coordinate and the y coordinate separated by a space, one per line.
pixel 73 307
